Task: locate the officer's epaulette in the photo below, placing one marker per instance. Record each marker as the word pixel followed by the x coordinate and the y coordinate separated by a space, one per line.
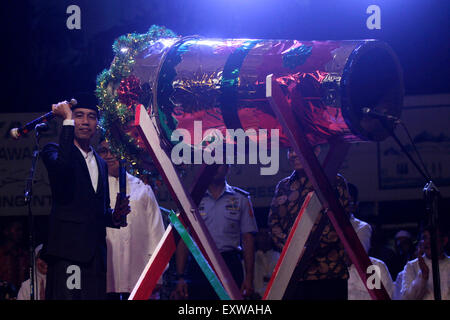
pixel 245 193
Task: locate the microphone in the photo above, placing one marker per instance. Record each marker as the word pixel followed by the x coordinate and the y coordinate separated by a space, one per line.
pixel 378 115
pixel 16 133
pixel 122 185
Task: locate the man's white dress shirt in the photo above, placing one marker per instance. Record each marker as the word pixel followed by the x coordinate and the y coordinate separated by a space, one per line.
pixel 265 263
pixel 91 162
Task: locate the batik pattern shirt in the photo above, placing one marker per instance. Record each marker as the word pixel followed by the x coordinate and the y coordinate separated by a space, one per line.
pixel 328 259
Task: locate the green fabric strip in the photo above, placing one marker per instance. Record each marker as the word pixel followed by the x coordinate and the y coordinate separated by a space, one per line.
pixel 198 256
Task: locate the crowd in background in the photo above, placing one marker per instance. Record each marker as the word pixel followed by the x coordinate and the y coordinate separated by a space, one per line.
pixel 14 257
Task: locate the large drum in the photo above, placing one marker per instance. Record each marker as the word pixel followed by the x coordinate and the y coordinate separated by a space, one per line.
pixel 221 82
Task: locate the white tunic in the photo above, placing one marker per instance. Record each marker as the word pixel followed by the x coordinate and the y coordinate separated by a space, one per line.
pixel 416 288
pixel 39 288
pixel 363 230
pixel 356 288
pixel 130 248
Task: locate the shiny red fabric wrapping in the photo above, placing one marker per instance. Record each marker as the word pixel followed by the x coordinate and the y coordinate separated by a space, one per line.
pixel 221 82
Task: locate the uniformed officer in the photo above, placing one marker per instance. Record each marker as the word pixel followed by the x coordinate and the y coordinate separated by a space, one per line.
pixel 228 214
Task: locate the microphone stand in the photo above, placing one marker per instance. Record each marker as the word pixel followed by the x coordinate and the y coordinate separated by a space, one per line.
pixel 431 195
pixel 28 200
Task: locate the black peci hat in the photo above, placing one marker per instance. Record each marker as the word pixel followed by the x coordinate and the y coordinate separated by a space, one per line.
pixel 86 100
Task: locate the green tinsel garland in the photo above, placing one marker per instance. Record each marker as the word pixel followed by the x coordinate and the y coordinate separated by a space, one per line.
pixel 114 113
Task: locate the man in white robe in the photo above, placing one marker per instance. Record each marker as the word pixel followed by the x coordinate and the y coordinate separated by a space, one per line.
pixel 130 248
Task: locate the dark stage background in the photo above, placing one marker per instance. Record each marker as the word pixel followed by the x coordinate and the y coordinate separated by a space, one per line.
pixel 43 60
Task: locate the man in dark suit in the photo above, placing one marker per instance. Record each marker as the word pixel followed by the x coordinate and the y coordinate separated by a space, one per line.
pixel 76 246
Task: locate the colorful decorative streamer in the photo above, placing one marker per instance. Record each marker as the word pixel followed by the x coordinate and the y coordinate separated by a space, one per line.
pixel 198 256
pixel 119 91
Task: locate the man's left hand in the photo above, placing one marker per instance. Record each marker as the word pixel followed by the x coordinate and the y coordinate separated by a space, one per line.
pixel 121 210
pixel 247 287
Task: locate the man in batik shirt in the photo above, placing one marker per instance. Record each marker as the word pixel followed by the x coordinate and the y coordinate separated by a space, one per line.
pixel 322 274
